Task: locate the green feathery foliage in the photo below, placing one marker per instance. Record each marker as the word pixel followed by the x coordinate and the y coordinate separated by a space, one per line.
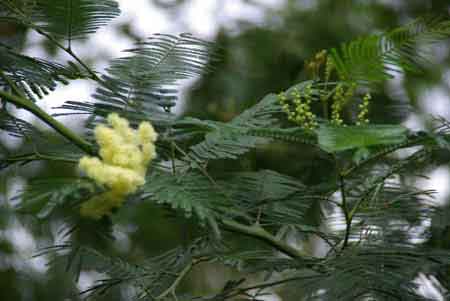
pixel 192 193
pixel 66 19
pixel 366 213
pixel 37 77
pixel 376 58
pixel 143 85
pixel 42 196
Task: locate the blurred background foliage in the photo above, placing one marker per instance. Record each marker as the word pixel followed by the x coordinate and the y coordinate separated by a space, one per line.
pixel 258 58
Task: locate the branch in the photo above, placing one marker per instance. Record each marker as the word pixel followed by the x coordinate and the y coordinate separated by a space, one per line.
pixel 171 289
pixel 69 51
pixel 37 157
pixel 49 120
pixel 237 291
pixel 270 284
pixel 58 44
pixel 259 233
pixel 366 195
pixel 383 153
pixel 348 218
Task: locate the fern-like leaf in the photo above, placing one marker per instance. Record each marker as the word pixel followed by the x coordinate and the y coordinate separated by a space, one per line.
pixel 284 198
pixel 375 58
pixel 375 272
pixel 37 77
pixel 145 82
pixel 41 196
pixel 64 19
pixel 192 193
pixel 228 141
pixel 152 278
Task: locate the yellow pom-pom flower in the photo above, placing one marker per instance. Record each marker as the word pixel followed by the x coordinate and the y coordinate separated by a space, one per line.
pixel 124 156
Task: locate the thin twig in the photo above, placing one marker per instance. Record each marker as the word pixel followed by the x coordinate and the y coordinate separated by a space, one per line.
pixel 259 233
pixel 275 283
pixel 172 288
pixel 381 154
pixel 202 169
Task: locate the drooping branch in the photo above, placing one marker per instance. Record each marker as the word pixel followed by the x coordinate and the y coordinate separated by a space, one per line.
pixel 49 120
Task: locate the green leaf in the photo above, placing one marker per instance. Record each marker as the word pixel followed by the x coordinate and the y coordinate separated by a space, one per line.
pixel 224 142
pixel 229 140
pixel 376 58
pixel 255 126
pixel 17 127
pixel 42 196
pixel 375 272
pixel 339 138
pixel 149 278
pixel 64 19
pixel 35 76
pixel 282 200
pixel 191 193
pixel 144 84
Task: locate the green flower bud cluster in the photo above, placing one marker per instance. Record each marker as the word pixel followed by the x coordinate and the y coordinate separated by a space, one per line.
pixel 340 98
pixel 298 107
pixel 364 110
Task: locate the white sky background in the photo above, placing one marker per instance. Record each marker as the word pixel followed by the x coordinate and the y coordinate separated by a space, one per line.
pixel 203 18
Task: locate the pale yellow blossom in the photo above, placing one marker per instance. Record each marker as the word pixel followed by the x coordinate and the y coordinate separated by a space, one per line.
pixel 124 156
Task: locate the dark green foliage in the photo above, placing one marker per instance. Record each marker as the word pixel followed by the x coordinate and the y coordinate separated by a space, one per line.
pixel 377 272
pixel 152 278
pixel 192 193
pixel 364 211
pixel 286 198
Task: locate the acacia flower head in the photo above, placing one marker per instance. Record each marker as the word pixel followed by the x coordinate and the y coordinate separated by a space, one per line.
pixel 124 157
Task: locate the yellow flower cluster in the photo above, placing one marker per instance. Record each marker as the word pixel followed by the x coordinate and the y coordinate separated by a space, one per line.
pixel 125 154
